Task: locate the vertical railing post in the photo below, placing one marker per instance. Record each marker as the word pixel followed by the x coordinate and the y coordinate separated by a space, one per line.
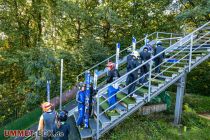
pixel 97 120
pixel 48 91
pixel 134 43
pixel 171 39
pixel 145 39
pixel 191 45
pixel 61 84
pixel 150 78
pixel 157 35
pixel 95 79
pixel 117 55
pixel 77 78
pixel 95 88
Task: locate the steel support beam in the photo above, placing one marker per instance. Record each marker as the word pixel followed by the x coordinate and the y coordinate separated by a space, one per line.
pixel 179 99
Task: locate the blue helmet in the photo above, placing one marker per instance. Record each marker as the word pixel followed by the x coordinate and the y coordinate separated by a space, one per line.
pixel 62 116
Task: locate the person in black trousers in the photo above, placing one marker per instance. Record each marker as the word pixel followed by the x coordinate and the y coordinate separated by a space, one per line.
pixel 132 63
pixel 144 55
pixel 158 60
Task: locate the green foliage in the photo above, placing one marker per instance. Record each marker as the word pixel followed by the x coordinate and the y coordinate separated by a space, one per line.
pixel 40 33
pixel 198 79
pixel 159 126
pixel 194 12
pixel 199 103
pixel 22 123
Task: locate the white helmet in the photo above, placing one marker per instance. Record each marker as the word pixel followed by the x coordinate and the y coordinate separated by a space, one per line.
pixel 135 53
pixel 158 43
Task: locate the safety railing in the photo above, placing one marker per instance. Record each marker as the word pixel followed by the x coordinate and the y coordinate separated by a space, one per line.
pixel 185 43
pixel 121 55
pixel 122 68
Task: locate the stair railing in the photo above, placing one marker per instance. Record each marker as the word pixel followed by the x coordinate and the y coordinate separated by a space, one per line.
pixel 155 35
pixel 185 40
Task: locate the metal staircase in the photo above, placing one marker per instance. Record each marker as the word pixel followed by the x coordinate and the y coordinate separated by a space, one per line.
pixel 182 55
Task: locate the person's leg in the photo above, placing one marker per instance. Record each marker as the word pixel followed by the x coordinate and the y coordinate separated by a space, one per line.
pixel 81 114
pixel 142 74
pixel 146 73
pixel 90 109
pixel 160 61
pixel 133 85
pixel 129 81
pixel 156 65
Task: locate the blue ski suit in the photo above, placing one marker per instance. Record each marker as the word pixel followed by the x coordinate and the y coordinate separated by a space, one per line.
pixel 112 92
pixel 80 98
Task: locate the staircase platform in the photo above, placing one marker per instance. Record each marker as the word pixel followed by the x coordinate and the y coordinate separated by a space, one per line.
pixel 85 132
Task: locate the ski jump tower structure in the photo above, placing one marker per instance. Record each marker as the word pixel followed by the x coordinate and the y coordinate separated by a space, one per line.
pixel 183 53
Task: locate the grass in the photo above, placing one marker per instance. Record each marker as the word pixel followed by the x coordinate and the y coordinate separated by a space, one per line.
pixel 169 73
pixel 141 91
pixel 160 127
pixel 171 68
pixel 156 82
pixel 180 64
pixel 201 104
pixel 128 100
pixel 105 105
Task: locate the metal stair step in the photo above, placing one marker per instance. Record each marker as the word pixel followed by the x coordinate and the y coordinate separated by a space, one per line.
pixel 180 56
pixel 104 120
pixel 186 52
pixel 93 125
pixel 120 109
pixel 141 91
pixel 153 88
pixel 177 64
pixel 157 82
pixel 138 97
pixel 85 132
pixel 165 78
pixel 128 102
pixel 110 114
pixel 170 73
pixel 173 68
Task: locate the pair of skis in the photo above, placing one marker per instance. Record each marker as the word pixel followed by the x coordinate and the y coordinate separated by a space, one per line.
pixel 87 99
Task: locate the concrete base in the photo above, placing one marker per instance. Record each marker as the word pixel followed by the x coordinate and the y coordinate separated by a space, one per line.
pixel 146 110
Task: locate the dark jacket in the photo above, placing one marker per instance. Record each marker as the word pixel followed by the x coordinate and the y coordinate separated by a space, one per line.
pixel 158 50
pixel 111 75
pixel 93 92
pixel 63 130
pixel 129 59
pixel 145 55
pixel 132 64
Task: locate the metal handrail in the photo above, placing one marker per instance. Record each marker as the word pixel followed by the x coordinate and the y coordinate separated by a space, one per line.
pixel 141 77
pixel 146 74
pixel 155 33
pixel 110 57
pixel 173 38
pixel 167 49
pixel 187 39
pixel 172 64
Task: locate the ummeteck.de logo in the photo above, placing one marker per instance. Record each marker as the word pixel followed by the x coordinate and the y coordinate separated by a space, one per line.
pixel 18 133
